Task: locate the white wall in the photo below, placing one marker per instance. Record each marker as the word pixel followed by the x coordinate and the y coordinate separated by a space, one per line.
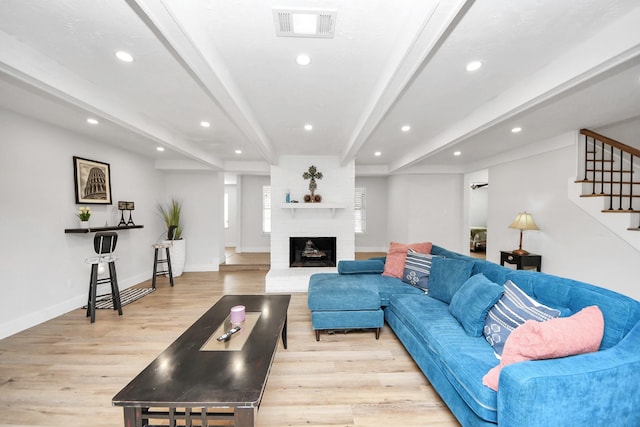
pixel 202 197
pixel 427 208
pixel 231 234
pixel 253 239
pixel 571 242
pixel 43 273
pixel 375 238
pixel 43 269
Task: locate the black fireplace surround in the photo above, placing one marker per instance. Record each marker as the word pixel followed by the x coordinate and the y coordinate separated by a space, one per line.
pixel 312 251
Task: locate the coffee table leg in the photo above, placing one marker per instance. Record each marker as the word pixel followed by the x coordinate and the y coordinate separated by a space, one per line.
pixel 244 417
pixel 132 416
pixel 284 333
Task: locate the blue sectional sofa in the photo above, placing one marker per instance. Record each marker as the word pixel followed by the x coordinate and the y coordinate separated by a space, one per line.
pixel 595 389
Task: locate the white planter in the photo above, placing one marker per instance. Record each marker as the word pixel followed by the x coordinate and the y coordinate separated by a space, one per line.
pixel 178 254
pixel 84 224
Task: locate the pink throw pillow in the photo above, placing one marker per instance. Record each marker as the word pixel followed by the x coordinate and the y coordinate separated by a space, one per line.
pixel 560 337
pixel 397 255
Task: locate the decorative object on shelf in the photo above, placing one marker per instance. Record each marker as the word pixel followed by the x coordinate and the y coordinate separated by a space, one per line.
pixel 523 221
pixel 287 198
pixel 92 181
pixel 122 206
pixel 130 206
pixel 312 174
pixel 171 216
pixel 84 213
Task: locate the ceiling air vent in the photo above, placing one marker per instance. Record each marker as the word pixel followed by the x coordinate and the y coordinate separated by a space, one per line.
pixel 305 23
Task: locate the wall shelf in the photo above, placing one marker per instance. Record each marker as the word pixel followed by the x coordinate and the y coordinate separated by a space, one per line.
pixel 296 206
pixel 96 229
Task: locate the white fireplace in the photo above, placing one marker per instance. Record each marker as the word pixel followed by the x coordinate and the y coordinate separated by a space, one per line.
pixel 333 216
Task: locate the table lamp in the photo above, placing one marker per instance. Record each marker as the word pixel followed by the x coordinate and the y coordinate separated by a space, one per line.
pixel 523 221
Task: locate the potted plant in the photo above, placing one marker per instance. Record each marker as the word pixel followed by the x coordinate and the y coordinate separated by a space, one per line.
pixel 170 213
pixel 84 213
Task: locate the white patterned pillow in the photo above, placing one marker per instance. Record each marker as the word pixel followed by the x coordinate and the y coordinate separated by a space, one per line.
pixel 513 309
pixel 417 269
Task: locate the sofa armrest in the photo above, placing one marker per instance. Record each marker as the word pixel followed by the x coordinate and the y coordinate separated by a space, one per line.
pixel 592 389
pixel 360 267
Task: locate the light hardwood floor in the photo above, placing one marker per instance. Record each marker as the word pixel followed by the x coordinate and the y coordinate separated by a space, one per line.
pixel 65 371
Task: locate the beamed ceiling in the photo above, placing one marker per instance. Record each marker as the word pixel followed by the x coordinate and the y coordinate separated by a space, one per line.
pixel 548 67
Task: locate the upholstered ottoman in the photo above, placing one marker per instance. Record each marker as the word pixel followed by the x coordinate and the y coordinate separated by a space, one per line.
pixel 341 302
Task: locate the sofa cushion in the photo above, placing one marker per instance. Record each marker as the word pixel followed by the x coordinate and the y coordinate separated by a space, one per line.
pixel 417 268
pixel 473 301
pixel 464 360
pixel 447 276
pixel 513 309
pixel 394 264
pixel 332 291
pixel 360 266
pixel 580 333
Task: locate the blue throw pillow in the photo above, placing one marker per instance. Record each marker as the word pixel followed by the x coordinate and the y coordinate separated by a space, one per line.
pixel 513 309
pixel 473 301
pixel 360 267
pixel 417 268
pixel 447 276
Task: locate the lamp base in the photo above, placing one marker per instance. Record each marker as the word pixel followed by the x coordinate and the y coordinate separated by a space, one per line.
pixel 519 252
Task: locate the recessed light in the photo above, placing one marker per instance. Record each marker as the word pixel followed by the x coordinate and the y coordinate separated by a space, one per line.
pixel 405 128
pixel 92 121
pixel 377 154
pixel 160 148
pixel 516 129
pixel 205 124
pixel 457 153
pixel 238 151
pixel 308 127
pixel 303 59
pixel 124 56
pixel 474 65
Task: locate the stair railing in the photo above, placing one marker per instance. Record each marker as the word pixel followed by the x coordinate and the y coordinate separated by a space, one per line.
pixel 596 147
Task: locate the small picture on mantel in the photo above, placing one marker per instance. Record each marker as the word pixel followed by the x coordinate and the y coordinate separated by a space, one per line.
pixel 92 181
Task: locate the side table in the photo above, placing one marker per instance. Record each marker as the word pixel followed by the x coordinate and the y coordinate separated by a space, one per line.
pixel 521 261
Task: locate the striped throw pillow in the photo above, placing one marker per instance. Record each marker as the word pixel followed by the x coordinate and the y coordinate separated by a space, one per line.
pixel 417 268
pixel 513 309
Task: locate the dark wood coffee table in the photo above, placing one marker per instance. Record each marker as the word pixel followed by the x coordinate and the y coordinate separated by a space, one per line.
pixel 199 380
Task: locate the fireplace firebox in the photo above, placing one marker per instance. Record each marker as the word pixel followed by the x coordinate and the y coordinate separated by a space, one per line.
pixel 312 251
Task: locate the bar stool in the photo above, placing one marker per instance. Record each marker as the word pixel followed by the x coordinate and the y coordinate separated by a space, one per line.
pixel 104 243
pixel 163 261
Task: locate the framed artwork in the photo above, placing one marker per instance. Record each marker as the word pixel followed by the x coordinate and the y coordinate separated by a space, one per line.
pixel 92 181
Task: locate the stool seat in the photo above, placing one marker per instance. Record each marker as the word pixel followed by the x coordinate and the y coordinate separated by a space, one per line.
pixel 101 259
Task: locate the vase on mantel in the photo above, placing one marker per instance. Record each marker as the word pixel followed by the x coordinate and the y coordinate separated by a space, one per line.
pixel 84 224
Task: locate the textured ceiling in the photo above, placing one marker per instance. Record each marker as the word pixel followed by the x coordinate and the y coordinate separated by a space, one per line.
pixel 548 66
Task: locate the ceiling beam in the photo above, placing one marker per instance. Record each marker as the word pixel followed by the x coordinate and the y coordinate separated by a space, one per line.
pixel 50 79
pixel 404 69
pixel 604 54
pixel 201 60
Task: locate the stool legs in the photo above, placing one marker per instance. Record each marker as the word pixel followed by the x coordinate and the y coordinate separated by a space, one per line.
pixel 157 261
pixel 93 290
pixel 155 268
pixel 115 291
pixel 169 267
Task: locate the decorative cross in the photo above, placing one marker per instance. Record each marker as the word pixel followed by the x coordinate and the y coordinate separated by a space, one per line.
pixel 312 174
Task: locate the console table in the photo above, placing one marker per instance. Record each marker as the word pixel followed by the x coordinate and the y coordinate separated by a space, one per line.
pixel 96 229
pixel 521 261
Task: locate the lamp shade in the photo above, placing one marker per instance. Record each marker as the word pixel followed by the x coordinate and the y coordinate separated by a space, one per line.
pixel 524 221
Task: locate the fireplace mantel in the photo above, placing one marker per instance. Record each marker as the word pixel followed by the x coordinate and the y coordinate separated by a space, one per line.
pixel 294 206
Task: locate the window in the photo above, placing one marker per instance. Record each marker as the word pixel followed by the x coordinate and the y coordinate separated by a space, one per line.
pixel 226 210
pixel 359 211
pixel 266 209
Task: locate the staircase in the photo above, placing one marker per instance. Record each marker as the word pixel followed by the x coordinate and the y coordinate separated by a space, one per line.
pixel 608 184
